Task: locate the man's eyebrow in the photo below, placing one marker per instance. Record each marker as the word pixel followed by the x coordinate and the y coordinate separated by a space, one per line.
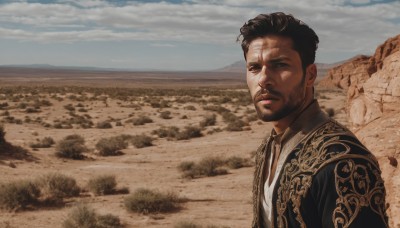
pixel 252 63
pixel 279 59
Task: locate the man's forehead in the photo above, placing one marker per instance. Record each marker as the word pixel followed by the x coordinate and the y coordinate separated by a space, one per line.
pixel 270 46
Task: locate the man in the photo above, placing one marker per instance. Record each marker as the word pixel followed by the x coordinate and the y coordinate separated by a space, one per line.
pixel 310 171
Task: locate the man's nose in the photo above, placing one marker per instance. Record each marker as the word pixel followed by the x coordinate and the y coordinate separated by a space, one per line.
pixel 264 79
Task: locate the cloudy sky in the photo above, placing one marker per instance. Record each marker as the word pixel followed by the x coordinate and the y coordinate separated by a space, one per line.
pixel 177 34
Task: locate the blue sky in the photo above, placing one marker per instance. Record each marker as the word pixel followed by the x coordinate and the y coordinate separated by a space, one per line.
pixel 177 34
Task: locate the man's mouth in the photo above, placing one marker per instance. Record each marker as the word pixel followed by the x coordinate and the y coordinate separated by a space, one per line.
pixel 266 98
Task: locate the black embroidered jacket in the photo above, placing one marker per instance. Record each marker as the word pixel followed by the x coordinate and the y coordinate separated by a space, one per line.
pixel 328 180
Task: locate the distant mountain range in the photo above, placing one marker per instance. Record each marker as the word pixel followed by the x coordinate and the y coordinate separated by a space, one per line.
pixel 238 67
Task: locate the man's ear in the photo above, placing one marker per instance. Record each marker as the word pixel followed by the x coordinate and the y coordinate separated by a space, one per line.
pixel 311 75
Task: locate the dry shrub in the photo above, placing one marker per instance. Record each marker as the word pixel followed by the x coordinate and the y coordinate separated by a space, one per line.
pixel 142 120
pixel 236 125
pixel 216 108
pixel 166 132
pixel 209 120
pixel 235 162
pixel 72 146
pixel 190 107
pixel 69 107
pixel 149 201
pixel 56 186
pixel 189 132
pixel 46 142
pixel 103 185
pixel 18 195
pixel 165 115
pixel 111 146
pixel 140 141
pixel 83 216
pixel 208 166
pixel 104 125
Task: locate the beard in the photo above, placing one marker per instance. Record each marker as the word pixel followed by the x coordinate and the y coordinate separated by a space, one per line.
pixel 294 101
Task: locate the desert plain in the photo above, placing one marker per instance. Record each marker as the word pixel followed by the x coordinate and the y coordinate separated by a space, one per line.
pixel 213 115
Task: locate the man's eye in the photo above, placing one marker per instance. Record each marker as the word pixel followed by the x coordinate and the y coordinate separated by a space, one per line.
pixel 254 68
pixel 280 65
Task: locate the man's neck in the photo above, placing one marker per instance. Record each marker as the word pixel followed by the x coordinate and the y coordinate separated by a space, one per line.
pixel 281 125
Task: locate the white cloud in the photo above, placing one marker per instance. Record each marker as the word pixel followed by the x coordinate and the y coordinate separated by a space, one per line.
pixel 340 27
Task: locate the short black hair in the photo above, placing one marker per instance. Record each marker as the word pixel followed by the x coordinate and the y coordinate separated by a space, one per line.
pixel 305 40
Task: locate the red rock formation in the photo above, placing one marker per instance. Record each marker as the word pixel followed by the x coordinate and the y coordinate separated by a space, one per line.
pixel 390 46
pixel 372 83
pixel 351 72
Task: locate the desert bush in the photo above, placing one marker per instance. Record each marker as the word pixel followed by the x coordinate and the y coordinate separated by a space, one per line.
pixel 161 104
pixel 32 110
pixel 69 107
pixel 235 162
pixel 72 146
pixel 208 166
pixel 5 113
pixel 166 132
pixel 46 142
pixel 111 146
pixel 142 120
pixel 3 105
pixel 236 125
pixel 165 115
pixel 216 108
pixel 220 100
pixel 140 141
pixel 22 105
pixel 83 216
pixel 103 185
pixel 104 124
pixel 18 195
pixel 55 186
pixel 149 201
pixel 189 132
pixel 209 120
pixel 186 165
pixel 190 107
pixel 108 221
pixel 229 117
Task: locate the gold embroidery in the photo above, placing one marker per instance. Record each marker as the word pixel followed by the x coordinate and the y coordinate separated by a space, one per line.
pixel 297 174
pixel 310 157
pixel 357 187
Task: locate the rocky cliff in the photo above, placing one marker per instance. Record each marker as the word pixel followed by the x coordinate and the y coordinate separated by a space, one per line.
pixel 372 83
pixel 373 103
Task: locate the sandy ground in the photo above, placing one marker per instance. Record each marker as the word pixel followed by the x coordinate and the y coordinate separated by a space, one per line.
pixel 221 200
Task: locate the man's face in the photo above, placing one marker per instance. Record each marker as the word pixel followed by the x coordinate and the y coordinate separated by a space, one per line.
pixel 275 77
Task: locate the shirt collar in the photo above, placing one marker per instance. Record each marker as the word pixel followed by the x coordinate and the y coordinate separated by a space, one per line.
pixel 308 119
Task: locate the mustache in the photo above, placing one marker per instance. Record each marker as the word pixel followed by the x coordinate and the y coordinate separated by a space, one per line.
pixel 266 94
